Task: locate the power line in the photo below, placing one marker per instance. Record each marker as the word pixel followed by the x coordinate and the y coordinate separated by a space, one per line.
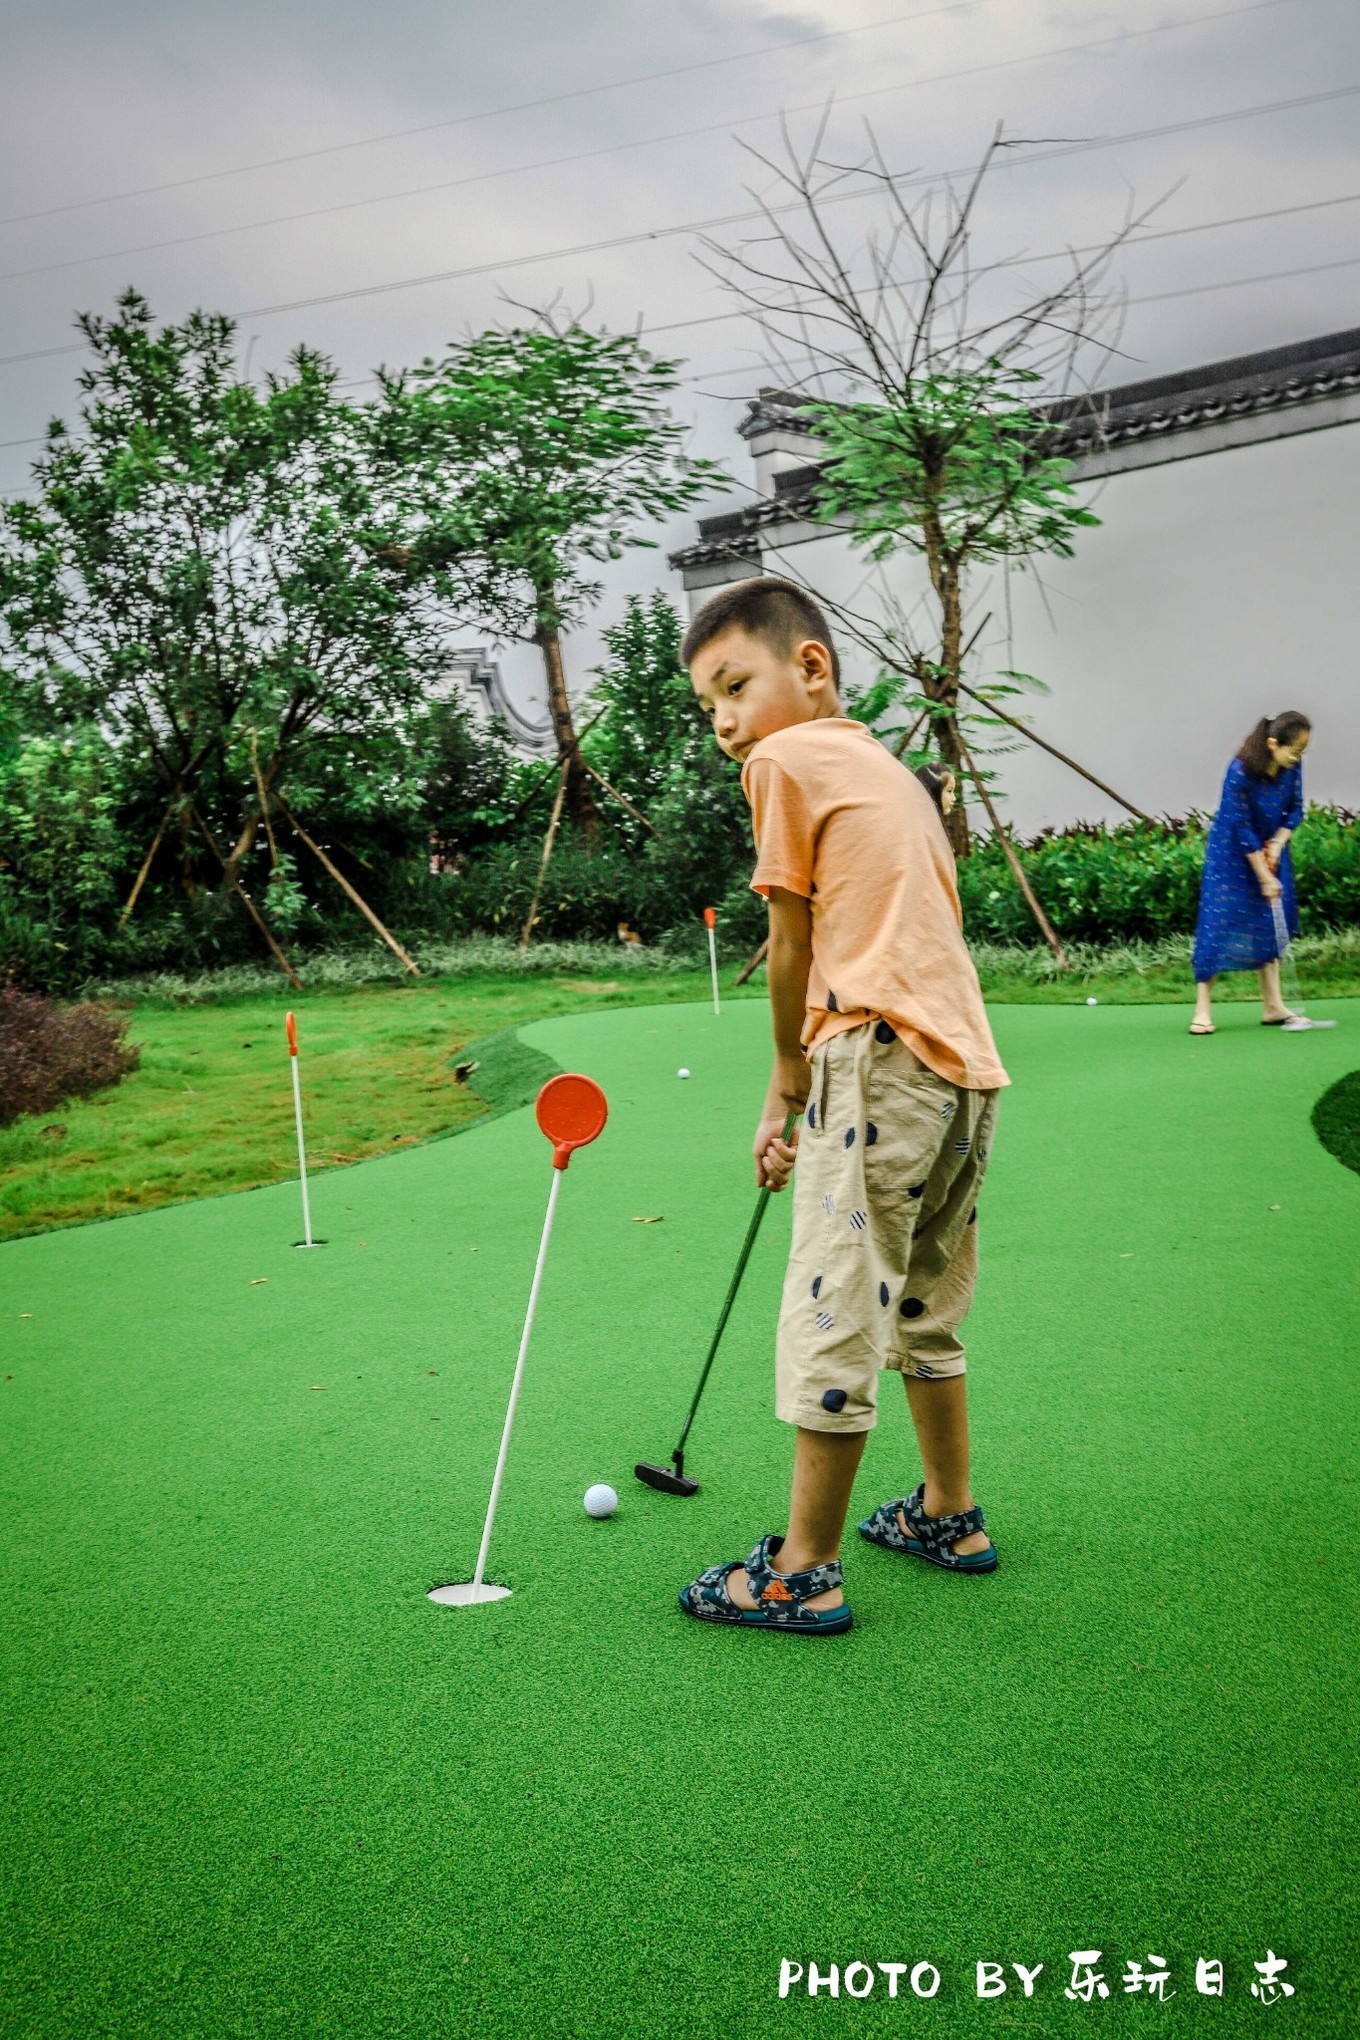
pixel 1036 156
pixel 1240 282
pixel 1160 297
pixel 488 113
pixel 1278 212
pixel 614 149
pixel 1153 298
pixel 680 229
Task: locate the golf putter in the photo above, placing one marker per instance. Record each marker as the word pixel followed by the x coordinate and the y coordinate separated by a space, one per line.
pixel 1289 978
pixel 672 1479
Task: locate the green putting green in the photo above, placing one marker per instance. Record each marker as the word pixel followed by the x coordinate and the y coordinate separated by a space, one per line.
pixel 254 1784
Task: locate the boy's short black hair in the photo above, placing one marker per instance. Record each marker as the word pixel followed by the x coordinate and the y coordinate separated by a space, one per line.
pixel 779 612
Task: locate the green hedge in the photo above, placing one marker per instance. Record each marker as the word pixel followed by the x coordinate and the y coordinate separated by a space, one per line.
pixel 1137 883
pixel 584 894
pixel 1140 882
pixel 1336 1120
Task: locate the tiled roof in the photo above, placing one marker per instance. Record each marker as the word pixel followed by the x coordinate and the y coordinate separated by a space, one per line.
pixel 735 533
pixel 1303 373
pixel 1307 371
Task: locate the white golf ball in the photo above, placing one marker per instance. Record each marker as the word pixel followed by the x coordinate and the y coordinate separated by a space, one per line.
pixel 601 1499
pixel 1093 1002
pixel 682 1073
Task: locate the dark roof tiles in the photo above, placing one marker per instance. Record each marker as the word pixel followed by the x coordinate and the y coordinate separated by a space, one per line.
pixel 1305 372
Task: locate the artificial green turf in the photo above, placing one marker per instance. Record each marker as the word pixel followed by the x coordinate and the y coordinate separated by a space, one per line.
pixel 255 1784
pixel 1336 1119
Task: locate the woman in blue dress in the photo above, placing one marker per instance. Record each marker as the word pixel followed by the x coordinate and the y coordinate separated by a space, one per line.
pixel 1247 867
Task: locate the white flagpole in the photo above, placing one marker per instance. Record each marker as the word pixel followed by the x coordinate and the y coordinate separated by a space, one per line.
pixel 302 1145
pixel 514 1386
pixel 710 918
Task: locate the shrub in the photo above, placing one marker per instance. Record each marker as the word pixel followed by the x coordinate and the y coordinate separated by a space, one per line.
pixel 1336 1120
pixel 49 1054
pixel 1140 882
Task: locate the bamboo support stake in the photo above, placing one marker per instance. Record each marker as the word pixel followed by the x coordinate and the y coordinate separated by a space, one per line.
pixel 904 743
pixel 360 902
pixel 573 750
pixel 621 798
pixel 534 791
pixel 264 801
pixel 1026 888
pixel 754 965
pixel 1053 750
pixel 547 853
pixel 147 861
pixel 247 902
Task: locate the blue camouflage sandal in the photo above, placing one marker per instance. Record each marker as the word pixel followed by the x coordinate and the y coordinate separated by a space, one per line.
pixel 782 1597
pixel 930 1537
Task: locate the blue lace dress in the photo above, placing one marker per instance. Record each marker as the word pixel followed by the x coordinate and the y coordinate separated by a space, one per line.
pixel 1236 929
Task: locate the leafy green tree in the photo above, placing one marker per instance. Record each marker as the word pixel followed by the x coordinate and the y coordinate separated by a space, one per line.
pixel 955 469
pixel 649 724
pixel 526 458
pixel 209 567
pixel 470 781
pixel 653 743
pixel 62 850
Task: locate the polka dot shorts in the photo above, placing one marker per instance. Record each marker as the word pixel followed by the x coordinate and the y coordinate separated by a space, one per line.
pixel 884 1258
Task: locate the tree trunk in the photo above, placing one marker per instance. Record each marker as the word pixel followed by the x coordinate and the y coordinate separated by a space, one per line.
pixel 187 877
pixel 580 801
pixel 946 691
pixel 943 685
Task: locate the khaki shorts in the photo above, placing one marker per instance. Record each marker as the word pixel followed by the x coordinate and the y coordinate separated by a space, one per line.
pixel 884 1257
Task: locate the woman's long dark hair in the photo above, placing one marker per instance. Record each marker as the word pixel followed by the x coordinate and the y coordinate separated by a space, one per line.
pixel 933 777
pixel 1255 753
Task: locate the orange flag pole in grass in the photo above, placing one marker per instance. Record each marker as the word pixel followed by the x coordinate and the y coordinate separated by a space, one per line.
pixel 710 922
pixel 291 1025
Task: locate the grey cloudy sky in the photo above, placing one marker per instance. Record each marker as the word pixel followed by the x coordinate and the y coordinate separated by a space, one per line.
pixel 98 102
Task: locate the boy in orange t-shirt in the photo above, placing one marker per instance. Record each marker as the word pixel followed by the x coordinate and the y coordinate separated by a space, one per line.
pixel 882 1042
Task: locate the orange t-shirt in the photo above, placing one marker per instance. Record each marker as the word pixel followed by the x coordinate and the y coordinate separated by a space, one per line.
pixel 841 822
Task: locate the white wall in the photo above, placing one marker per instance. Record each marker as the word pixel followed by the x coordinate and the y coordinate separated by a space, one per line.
pixel 1214 591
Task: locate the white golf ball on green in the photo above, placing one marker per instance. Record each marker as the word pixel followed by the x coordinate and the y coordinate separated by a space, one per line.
pixel 682 1073
pixel 1093 1002
pixel 601 1499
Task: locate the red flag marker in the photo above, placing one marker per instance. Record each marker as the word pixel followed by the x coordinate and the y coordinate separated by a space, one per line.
pixel 711 922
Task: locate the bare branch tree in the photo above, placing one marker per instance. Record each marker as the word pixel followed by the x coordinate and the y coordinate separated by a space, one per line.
pixel 938 399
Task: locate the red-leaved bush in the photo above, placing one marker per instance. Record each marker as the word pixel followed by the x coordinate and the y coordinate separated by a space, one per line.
pixel 51 1053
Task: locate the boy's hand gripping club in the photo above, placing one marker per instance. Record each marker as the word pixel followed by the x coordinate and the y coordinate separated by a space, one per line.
pixel 672 1479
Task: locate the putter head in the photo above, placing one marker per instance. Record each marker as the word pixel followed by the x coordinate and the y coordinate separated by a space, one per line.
pixel 1300 1024
pixel 665 1479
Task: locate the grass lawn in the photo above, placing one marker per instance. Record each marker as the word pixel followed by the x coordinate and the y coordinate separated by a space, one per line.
pixel 211 1106
pixel 252 1783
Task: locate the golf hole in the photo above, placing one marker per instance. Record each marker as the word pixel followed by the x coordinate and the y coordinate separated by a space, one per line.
pixel 467 1594
pixel 303 1245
